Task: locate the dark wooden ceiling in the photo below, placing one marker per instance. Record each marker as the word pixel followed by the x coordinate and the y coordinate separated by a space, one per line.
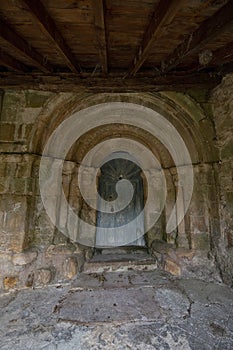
pixel 115 45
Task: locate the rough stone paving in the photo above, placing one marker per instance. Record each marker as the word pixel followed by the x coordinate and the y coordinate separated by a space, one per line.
pixel 119 310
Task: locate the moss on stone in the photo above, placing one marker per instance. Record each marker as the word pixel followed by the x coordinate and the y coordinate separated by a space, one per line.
pixel 189 105
pixel 11 104
pixel 35 99
pixel 227 151
pixel 199 95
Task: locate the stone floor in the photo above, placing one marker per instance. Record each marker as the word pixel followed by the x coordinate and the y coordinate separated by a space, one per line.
pixel 120 310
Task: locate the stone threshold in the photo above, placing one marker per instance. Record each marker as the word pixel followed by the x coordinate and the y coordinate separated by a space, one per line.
pixel 120 260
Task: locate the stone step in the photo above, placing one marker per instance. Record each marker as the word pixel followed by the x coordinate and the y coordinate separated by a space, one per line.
pixel 120 262
pixel 124 250
pixel 126 279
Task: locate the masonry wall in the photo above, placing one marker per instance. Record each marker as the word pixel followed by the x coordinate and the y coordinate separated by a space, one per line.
pixel 222 100
pixel 33 252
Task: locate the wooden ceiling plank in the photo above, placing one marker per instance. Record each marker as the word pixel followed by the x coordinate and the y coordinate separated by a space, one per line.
pixel 164 13
pixel 15 40
pixel 48 26
pixel 220 22
pixel 73 82
pixel 10 62
pixel 100 29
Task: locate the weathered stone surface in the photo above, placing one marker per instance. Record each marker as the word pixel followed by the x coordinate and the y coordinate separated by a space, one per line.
pixel 10 282
pixel 162 246
pixel 43 276
pixel 26 114
pixel 59 249
pixel 223 114
pixel 24 258
pixel 177 314
pixel 30 280
pixel 171 259
pixel 185 253
pixel 81 261
pixel 4 185
pixel 201 241
pixel 13 211
pixel 172 267
pixel 70 267
pixel 138 261
pixel 35 99
pixel 11 105
pixel 7 132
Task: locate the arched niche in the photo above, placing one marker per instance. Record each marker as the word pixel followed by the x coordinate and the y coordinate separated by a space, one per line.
pixel 199 144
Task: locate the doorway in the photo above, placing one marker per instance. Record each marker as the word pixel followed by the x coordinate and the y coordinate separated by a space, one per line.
pixel 128 224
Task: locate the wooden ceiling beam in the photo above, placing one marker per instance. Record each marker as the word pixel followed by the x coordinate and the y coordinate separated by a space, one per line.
pixel 112 83
pixel 212 27
pixel 217 58
pixel 223 54
pixel 15 40
pixel 226 68
pixel 49 28
pixel 100 29
pixel 164 13
pixel 10 62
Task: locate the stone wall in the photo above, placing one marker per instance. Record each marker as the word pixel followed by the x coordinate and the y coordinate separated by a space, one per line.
pixel 223 115
pixel 33 252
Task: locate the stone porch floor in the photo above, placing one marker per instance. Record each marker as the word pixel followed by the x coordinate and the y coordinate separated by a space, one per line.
pixel 119 310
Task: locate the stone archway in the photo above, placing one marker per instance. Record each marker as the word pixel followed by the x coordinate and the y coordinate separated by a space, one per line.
pixel 189 120
pixel 200 229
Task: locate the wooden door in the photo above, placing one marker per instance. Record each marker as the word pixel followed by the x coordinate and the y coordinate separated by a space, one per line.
pixel 111 172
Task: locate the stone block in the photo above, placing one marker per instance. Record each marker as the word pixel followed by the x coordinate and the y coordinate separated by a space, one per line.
pixel 24 258
pixel 29 115
pixel 12 101
pixel 43 227
pixel 198 224
pixel 88 254
pixel 200 95
pixel 18 186
pixel 3 184
pixel 229 199
pixel 7 132
pixel 36 99
pixel 172 267
pixel 10 282
pixel 59 238
pixel 13 211
pixel 227 151
pixel 23 170
pixel 70 267
pixel 81 260
pixel 182 240
pixel 2 168
pixel 30 280
pixel 59 250
pixel 36 168
pixel 161 246
pixel 201 241
pixel 183 253
pixel 28 131
pixel 43 276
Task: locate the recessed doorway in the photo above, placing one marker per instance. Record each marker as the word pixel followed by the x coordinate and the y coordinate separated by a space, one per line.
pixel 128 224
